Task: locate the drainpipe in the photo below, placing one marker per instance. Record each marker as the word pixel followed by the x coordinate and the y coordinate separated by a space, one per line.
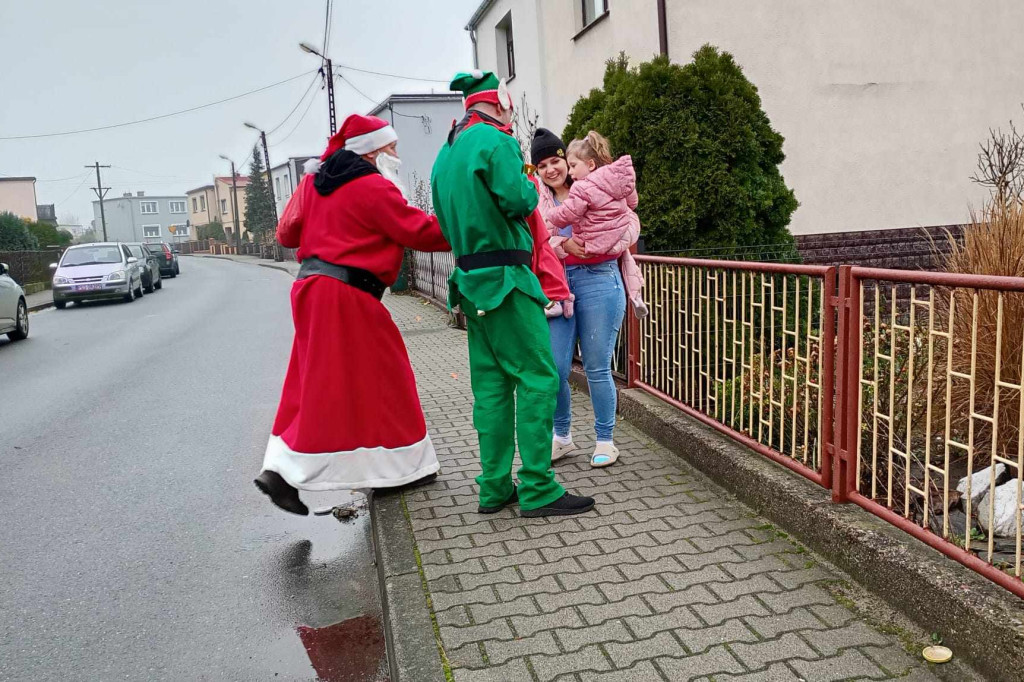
pixel 662 28
pixel 476 57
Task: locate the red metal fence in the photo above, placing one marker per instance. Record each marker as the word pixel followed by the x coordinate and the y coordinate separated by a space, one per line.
pixel 898 391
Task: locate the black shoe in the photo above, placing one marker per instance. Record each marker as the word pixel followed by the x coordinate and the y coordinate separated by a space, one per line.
pixel 283 495
pixel 426 480
pixel 565 505
pixel 514 497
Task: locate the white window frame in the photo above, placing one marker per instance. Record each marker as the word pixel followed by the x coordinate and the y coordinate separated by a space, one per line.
pixel 223 206
pixel 277 187
pixel 195 205
pixel 504 38
pixel 147 235
pixel 202 202
pixel 154 204
pixel 287 185
pixel 599 12
pixel 171 204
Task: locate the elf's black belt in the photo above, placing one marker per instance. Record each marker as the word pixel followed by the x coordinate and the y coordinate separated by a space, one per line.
pixel 493 259
pixel 355 277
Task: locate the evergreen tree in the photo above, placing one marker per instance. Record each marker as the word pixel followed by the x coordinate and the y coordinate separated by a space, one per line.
pixel 706 156
pixel 15 235
pixel 259 202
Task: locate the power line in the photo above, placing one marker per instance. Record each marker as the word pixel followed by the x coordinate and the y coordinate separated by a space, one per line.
pixel 152 175
pixel 391 75
pixel 85 177
pixel 297 123
pixel 297 105
pixel 365 96
pixel 156 118
pixel 70 177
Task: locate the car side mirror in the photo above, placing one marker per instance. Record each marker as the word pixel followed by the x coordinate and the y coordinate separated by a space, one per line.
pixel 3 268
pixel 53 266
pixel 132 260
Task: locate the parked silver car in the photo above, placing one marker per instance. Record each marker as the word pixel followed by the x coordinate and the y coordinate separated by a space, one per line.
pixel 13 309
pixel 97 271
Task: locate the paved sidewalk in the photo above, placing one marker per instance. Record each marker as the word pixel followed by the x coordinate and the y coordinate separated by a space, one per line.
pixel 670 578
pixel 291 267
pixel 40 300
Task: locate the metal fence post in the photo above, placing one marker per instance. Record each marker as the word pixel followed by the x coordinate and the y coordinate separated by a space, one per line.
pixel 829 343
pixel 847 385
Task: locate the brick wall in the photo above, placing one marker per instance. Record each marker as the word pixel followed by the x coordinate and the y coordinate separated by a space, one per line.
pixel 912 248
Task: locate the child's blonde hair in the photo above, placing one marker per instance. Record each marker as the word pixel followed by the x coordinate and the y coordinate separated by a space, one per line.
pixel 594 147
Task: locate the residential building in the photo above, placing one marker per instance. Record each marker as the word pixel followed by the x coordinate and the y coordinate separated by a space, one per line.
pixel 138 218
pixel 18 196
pixel 47 213
pixel 213 202
pixel 422 122
pixel 882 106
pixel 285 178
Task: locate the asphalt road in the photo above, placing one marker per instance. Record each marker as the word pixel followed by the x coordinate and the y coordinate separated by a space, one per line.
pixel 133 544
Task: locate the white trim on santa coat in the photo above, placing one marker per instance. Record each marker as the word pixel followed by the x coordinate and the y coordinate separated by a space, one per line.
pixel 346 470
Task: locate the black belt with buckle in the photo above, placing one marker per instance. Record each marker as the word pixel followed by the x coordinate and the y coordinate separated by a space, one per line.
pixel 494 259
pixel 355 277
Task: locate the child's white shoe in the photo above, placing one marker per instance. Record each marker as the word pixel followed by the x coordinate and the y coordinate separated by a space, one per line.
pixel 605 455
pixel 554 309
pixel 560 448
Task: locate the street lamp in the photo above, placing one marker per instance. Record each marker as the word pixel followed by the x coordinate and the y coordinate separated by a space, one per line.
pixel 306 47
pixel 234 204
pixel 266 157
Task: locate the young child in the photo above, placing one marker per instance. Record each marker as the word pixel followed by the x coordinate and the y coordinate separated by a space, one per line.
pixel 601 208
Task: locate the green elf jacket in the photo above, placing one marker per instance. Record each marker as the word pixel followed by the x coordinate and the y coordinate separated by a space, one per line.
pixel 482 198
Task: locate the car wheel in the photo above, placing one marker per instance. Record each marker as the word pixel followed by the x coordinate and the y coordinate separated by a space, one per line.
pixel 138 289
pixel 130 296
pixel 159 284
pixel 21 331
pixel 60 305
pixel 148 287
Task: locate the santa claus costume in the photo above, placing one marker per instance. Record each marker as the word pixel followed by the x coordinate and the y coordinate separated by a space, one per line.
pixel 349 415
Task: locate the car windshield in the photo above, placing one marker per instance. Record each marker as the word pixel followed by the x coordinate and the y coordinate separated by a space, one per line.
pixel 137 251
pixel 91 255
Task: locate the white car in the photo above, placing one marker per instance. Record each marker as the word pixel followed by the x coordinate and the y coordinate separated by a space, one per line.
pixel 13 309
pixel 96 271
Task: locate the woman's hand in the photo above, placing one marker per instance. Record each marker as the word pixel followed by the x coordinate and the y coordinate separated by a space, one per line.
pixel 574 248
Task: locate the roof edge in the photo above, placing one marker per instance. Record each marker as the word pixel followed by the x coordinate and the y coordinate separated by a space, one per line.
pixel 474 20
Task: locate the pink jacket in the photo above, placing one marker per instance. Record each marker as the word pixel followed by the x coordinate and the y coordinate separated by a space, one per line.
pixel 601 210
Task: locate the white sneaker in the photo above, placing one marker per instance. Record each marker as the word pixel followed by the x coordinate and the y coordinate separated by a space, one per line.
pixel 605 455
pixel 560 450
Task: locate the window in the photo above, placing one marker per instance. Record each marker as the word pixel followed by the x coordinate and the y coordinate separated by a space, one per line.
pixel 151 231
pixel 195 205
pixel 224 206
pixel 176 206
pixel 202 202
pixel 287 186
pixel 277 187
pixel 147 207
pixel 593 10
pixel 126 252
pixel 506 51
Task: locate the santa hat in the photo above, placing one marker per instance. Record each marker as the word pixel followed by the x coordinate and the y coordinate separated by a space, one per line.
pixel 361 135
pixel 482 86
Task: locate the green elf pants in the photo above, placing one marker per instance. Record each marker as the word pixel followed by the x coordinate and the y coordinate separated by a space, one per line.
pixel 515 385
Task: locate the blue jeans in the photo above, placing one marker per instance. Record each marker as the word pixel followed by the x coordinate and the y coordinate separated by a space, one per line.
pixel 598 312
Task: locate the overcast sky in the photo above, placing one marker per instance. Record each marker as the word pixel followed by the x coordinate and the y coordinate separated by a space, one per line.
pixel 69 65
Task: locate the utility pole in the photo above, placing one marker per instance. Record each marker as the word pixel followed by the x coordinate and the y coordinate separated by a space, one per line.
pixel 101 192
pixel 234 208
pixel 329 77
pixel 266 158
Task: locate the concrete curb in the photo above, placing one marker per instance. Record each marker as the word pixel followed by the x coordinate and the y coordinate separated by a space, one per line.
pixel 271 266
pixel 40 306
pixel 982 623
pixel 413 651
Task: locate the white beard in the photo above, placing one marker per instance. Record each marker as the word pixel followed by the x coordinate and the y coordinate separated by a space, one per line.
pixel 389 166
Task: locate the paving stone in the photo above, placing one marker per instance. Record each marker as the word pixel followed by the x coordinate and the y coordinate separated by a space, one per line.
pixel 696 559
pixel 641 672
pixel 835 615
pixel 550 667
pixel 754 566
pixel 714 614
pixel 681 579
pixel 514 538
pixel 434 571
pixel 776 672
pixel 599 613
pixel 749 551
pixel 650 585
pixel 574 552
pixel 567 565
pixel 698 594
pixel 661 644
pixel 457 616
pixel 698 640
pixel 509 591
pixel 572 538
pixel 643 527
pixel 677 548
pixel 518 546
pixel 524 560
pixel 712 662
pixel 540 643
pixel 857 634
pixel 608 574
pixel 805 596
pixel 892 658
pixel 465 656
pixel 483 613
pixel 664 566
pixel 585 595
pixel 445 600
pixel 460 554
pixel 509 574
pixel 624 556
pixel 774 625
pixel 567 617
pixel 635 542
pixel 786 647
pixel 645 626
pixel 794 579
pixel 734 539
pixel 538 528
pixel 573 639
pixel 456 637
pixel 727 591
pixel 849 664
pixel 513 670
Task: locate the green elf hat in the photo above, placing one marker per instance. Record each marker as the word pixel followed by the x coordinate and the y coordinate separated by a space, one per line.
pixel 482 86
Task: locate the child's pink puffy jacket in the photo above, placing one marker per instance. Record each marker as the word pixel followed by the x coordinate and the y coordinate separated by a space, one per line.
pixel 601 210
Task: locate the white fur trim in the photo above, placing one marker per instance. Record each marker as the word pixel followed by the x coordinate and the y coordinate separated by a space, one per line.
pixel 347 470
pixel 311 166
pixel 372 141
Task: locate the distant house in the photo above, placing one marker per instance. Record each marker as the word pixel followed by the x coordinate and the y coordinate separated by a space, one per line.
pixel 422 122
pixel 213 203
pixel 18 196
pixel 285 178
pixel 47 214
pixel 140 218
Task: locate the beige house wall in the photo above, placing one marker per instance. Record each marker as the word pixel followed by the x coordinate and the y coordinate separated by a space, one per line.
pixel 18 196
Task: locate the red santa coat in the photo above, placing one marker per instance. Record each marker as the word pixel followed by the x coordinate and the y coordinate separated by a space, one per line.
pixel 349 415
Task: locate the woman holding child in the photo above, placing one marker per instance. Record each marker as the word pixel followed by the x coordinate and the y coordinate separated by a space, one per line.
pixel 588 200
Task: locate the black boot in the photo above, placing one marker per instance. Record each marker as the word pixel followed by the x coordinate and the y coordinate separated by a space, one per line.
pixel 281 493
pixel 565 505
pixel 514 497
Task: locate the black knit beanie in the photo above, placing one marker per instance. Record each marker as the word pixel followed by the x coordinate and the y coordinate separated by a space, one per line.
pixel 545 144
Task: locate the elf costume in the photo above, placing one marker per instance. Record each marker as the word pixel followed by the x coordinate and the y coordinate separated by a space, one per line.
pixel 485 204
pixel 349 416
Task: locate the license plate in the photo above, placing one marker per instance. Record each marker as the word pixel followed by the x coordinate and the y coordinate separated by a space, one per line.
pixel 87 287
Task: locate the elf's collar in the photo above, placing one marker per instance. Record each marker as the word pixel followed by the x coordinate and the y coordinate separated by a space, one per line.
pixel 473 117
